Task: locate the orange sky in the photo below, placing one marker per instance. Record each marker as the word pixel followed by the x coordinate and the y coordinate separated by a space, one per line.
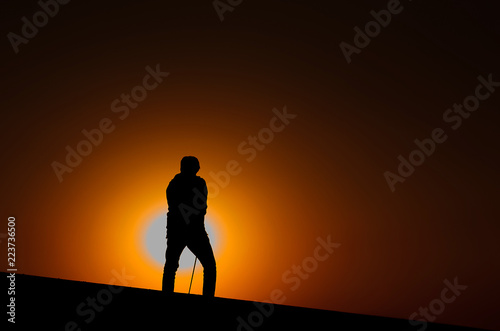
pixel 320 177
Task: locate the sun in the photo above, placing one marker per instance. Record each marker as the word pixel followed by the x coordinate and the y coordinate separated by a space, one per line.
pixel 154 242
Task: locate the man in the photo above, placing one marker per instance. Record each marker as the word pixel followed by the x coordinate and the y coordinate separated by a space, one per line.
pixel 187 206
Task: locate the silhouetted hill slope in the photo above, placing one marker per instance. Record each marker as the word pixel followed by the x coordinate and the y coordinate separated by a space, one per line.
pixel 57 304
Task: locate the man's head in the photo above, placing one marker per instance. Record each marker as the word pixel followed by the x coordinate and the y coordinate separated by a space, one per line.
pixel 190 165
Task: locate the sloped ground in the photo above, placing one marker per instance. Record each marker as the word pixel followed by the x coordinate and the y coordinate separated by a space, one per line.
pixel 57 304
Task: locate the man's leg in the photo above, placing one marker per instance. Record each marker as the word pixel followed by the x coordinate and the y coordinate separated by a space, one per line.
pixel 175 246
pixel 199 244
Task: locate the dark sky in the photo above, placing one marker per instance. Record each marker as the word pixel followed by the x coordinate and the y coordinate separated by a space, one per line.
pixel 317 174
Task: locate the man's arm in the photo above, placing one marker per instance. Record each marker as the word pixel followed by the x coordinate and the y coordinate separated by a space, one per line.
pixel 205 194
pixel 200 193
pixel 172 197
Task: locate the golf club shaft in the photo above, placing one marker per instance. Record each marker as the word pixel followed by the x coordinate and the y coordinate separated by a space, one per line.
pixel 194 266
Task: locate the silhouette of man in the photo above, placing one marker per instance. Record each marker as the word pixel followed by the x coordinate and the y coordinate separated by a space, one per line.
pixel 187 206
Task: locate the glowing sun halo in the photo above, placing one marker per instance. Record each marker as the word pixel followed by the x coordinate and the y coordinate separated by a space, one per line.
pixel 154 242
